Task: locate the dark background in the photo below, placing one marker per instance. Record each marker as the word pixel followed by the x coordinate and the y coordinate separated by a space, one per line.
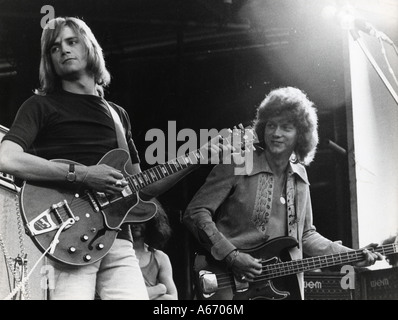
pixel 206 64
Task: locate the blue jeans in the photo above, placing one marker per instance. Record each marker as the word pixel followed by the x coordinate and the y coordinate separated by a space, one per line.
pixel 117 276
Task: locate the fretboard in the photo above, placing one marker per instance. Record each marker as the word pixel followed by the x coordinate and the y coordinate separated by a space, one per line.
pixel 141 180
pixel 309 264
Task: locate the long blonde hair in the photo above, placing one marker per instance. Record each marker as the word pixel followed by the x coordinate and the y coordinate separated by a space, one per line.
pixel 49 80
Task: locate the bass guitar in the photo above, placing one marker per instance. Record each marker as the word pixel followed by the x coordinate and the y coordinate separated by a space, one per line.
pixel 77 226
pixel 277 280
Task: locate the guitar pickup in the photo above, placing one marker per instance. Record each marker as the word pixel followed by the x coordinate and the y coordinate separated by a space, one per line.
pixel 241 286
pixel 102 199
pixel 44 222
pixel 127 192
pixel 105 200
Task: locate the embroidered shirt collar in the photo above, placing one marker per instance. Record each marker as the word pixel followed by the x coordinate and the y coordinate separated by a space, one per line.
pixel 260 164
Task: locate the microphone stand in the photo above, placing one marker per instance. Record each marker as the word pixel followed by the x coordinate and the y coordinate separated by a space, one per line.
pixel 357 38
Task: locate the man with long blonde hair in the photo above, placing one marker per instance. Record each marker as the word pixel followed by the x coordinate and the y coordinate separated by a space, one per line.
pixel 68 118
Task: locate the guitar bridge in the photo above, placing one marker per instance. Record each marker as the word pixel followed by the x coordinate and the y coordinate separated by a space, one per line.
pixel 44 222
pixel 208 282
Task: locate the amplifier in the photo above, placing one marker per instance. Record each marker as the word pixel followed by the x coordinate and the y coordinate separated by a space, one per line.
pixel 327 286
pixel 7 181
pixel 379 284
pixel 14 242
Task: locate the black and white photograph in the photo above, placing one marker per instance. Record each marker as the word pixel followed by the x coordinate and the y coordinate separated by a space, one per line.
pixel 205 152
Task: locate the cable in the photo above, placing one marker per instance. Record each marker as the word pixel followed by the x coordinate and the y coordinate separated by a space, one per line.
pixel 54 243
pixel 383 50
pixel 22 283
pixel 50 249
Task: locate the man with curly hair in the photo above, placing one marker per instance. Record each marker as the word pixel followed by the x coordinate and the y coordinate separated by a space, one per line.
pixel 272 199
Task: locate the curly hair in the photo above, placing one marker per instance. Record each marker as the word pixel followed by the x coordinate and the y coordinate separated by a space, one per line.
pixel 49 80
pixel 295 104
pixel 158 230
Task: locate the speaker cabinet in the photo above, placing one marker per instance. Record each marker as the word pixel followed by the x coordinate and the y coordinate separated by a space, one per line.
pixel 380 284
pixel 327 286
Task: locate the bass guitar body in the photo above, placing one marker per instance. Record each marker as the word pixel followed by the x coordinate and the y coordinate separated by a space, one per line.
pixel 210 272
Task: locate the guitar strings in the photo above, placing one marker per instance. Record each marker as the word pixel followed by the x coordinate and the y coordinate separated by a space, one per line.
pixel 270 271
pixel 146 179
pixel 141 180
pixel 135 180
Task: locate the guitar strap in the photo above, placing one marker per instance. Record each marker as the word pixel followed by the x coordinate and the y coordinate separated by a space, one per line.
pixel 120 135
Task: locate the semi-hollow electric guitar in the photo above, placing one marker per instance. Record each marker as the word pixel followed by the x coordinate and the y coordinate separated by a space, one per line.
pixel 277 280
pixel 78 226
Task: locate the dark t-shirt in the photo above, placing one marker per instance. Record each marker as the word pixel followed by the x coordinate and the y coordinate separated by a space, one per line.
pixel 76 127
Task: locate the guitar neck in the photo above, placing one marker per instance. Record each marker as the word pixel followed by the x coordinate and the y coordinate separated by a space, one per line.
pixel 309 264
pixel 246 138
pixel 141 180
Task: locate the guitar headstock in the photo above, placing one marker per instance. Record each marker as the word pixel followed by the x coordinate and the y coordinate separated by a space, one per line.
pixel 237 144
pixel 242 139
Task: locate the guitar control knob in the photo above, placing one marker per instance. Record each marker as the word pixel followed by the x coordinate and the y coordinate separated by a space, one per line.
pixel 84 238
pixel 100 246
pixel 87 258
pixel 72 250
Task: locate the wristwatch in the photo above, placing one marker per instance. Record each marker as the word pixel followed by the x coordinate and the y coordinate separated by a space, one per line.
pixel 71 175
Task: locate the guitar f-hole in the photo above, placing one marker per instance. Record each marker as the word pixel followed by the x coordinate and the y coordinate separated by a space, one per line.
pixel 100 233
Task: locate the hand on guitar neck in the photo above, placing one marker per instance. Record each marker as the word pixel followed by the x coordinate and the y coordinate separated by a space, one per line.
pixel 246 268
pixel 229 145
pixel 226 147
pixel 109 179
pixel 217 150
pixel 370 256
